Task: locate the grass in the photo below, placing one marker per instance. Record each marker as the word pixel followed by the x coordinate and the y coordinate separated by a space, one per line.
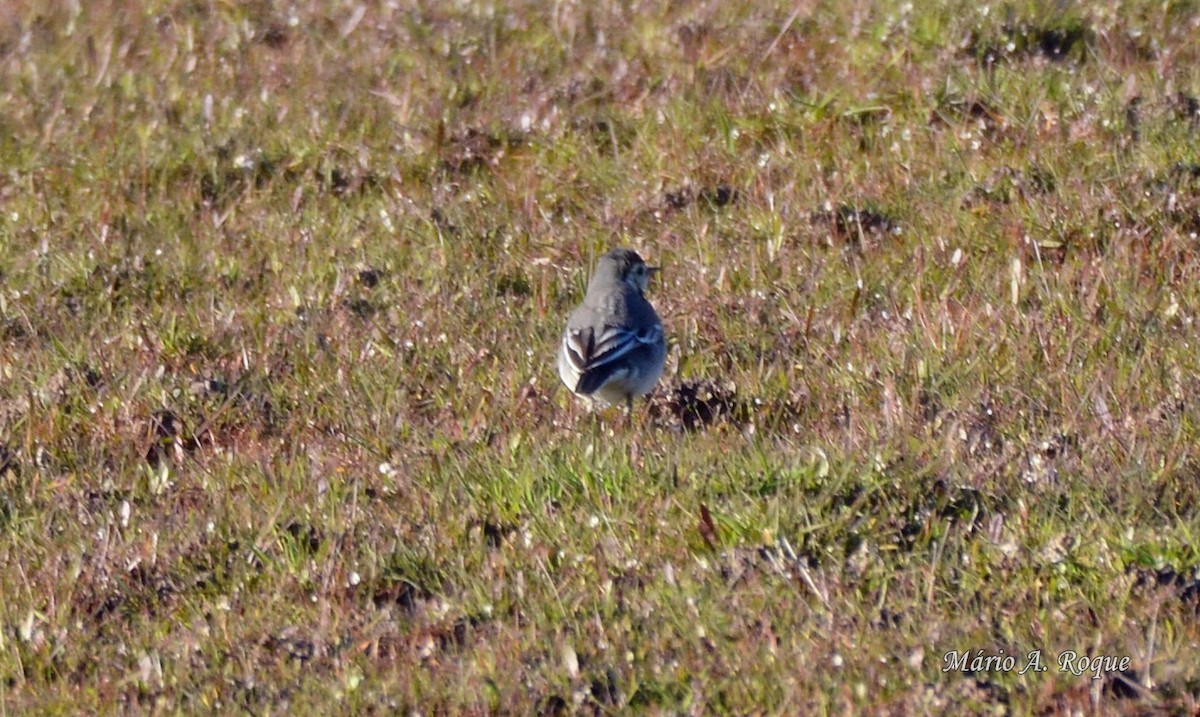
pixel 280 285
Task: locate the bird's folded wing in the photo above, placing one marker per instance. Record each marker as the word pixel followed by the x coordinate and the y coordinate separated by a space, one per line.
pixel 588 351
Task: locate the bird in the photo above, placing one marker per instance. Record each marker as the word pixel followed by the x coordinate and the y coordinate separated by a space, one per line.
pixel 614 348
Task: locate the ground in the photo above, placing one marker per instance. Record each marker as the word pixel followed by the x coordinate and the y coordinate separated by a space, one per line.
pixel 281 286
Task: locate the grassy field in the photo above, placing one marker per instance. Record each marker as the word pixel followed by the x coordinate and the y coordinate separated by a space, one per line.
pixel 281 286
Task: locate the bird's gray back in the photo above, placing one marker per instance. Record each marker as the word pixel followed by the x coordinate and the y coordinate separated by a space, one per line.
pixel 620 306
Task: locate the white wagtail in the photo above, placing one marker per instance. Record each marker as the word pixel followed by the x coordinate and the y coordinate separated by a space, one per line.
pixel 613 349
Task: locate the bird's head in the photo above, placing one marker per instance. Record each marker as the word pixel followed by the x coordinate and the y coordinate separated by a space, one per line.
pixel 627 266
